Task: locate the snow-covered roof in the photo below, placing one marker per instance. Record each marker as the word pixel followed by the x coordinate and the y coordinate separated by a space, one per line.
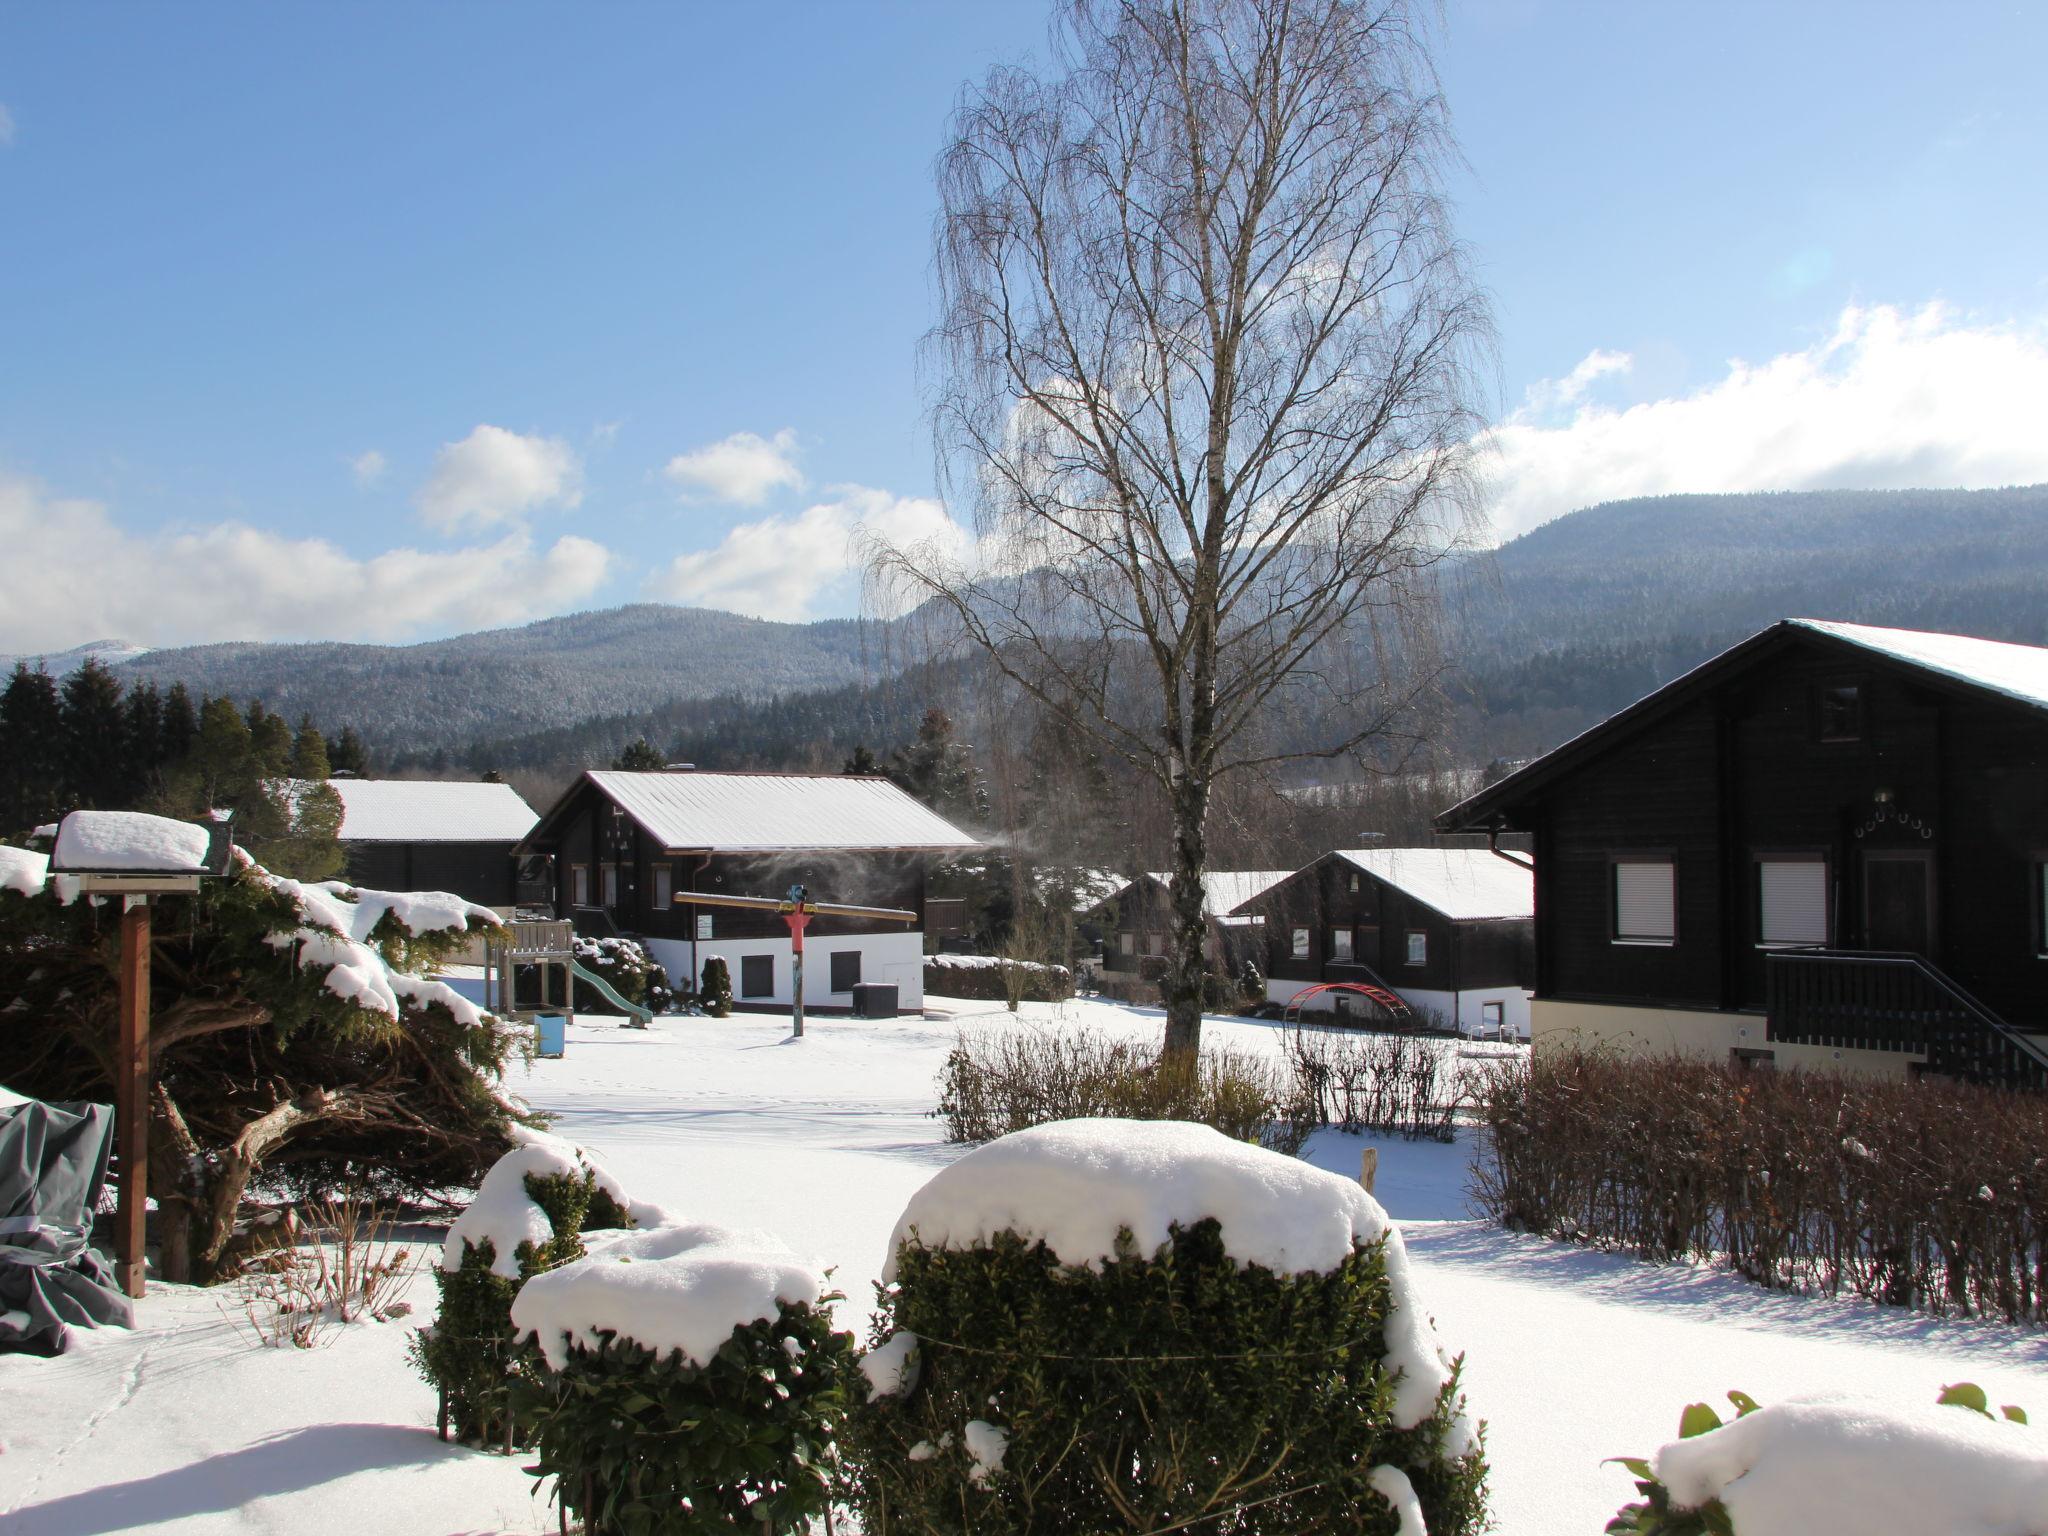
pixel 1223 890
pixel 2017 671
pixel 425 811
pixel 1465 884
pixel 778 812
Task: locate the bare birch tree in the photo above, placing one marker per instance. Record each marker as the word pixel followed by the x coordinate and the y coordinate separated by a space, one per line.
pixel 1204 374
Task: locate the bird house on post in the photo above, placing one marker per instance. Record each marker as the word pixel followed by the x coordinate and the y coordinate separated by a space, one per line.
pixel 134 856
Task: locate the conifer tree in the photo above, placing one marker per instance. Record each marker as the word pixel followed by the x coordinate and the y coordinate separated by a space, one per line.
pixel 31 750
pixel 142 729
pixel 309 752
pixel 271 739
pixel 346 754
pixel 95 770
pixel 180 726
pixel 640 757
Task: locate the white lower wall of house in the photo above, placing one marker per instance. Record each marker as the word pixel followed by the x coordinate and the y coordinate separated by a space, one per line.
pixel 1470 1006
pixel 1694 1032
pixel 893 959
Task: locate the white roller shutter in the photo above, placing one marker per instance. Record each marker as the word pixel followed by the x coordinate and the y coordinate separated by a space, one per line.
pixel 1794 896
pixel 1645 901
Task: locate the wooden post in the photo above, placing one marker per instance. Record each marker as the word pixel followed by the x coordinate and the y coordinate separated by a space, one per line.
pixel 131 1095
pixel 1369 1168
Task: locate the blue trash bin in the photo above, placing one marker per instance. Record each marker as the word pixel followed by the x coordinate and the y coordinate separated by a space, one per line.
pixel 553 1032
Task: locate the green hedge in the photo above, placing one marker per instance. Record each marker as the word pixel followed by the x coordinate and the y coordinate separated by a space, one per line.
pixel 986 979
pixel 470 1353
pixel 643 1445
pixel 1163 1392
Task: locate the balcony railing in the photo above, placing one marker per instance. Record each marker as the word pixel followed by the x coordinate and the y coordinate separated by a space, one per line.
pixel 1882 1001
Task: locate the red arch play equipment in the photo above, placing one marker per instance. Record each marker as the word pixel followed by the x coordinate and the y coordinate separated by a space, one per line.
pixel 1395 1005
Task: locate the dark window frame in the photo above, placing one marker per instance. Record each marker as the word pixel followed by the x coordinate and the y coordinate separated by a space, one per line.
pixel 1409 956
pixel 752 966
pixel 838 962
pixel 1831 721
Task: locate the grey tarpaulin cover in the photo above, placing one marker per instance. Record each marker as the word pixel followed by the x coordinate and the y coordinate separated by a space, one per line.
pixel 53 1159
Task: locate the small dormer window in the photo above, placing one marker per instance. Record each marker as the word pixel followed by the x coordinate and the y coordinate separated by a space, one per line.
pixel 1841 712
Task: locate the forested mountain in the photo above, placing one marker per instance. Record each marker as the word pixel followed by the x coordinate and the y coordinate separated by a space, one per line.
pixel 1547 634
pixel 447 694
pixel 1563 626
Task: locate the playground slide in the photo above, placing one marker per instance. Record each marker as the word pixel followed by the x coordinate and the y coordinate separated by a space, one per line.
pixel 606 991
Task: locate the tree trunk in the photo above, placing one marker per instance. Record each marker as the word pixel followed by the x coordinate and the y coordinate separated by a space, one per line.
pixel 1188 960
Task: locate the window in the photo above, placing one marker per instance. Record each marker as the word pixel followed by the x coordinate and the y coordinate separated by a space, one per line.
pixel 1792 901
pixel 579 885
pixel 1155 943
pixel 1301 943
pixel 1354 882
pixel 703 925
pixel 1490 1016
pixel 1127 943
pixel 757 976
pixel 845 969
pixel 1340 944
pixel 1645 901
pixel 1418 947
pixel 611 885
pixel 664 887
pixel 1841 712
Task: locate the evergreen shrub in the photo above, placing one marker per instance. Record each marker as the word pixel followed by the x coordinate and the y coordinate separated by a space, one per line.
pixel 986 978
pixel 633 973
pixel 649 1445
pixel 470 1353
pixel 1176 1390
pixel 714 994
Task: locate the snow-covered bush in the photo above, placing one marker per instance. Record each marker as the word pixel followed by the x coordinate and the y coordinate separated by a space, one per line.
pixel 1839 1463
pixel 990 978
pixel 714 992
pixel 694 1383
pixel 1131 1326
pixel 1925 1194
pixel 528 1217
pixel 1002 1080
pixel 633 973
pixel 286 1045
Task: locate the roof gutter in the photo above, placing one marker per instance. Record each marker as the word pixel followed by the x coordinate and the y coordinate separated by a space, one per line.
pixel 1493 847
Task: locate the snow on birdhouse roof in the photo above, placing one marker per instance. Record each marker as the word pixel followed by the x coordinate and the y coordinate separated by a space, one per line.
pixel 1465 884
pixel 425 811
pixel 131 840
pixel 778 812
pixel 2017 671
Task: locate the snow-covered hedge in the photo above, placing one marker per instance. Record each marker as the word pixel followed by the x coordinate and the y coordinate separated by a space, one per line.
pixel 528 1217
pixel 989 978
pixel 694 1383
pixel 1133 1326
pixel 1841 1463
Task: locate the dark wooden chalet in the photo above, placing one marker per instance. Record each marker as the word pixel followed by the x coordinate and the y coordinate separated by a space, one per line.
pixel 620 846
pixel 1827 846
pixel 418 835
pixel 1135 920
pixel 1450 931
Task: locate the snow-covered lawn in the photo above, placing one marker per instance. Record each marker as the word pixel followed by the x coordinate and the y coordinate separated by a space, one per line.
pixel 1572 1356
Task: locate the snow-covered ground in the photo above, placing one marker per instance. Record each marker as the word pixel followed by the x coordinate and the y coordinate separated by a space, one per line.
pixel 1572 1356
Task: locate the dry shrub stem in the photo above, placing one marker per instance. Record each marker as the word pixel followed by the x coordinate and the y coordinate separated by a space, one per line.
pixel 1931 1195
pixel 353 1271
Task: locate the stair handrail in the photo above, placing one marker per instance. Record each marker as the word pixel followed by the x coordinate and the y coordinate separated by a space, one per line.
pixel 2014 1039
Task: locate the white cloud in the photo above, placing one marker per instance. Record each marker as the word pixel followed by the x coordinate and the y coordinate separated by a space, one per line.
pixel 741 469
pixel 6 126
pixel 369 466
pixel 1892 398
pixel 494 476
pixel 780 567
pixel 234 582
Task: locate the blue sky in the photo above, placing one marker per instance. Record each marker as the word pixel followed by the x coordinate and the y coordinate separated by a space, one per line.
pixel 385 322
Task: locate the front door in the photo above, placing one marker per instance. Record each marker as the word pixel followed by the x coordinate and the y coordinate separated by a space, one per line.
pixel 1898 901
